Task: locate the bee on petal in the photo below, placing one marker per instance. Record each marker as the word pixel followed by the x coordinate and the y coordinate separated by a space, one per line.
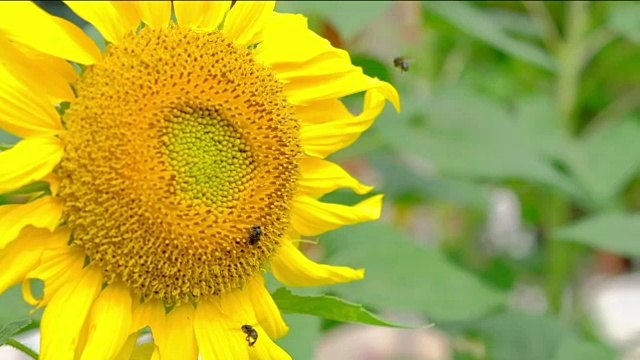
pixel 252 334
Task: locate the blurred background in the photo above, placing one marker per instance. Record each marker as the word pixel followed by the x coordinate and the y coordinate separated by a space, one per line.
pixel 510 179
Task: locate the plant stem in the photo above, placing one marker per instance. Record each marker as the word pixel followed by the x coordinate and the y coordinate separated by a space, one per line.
pixel 570 55
pixel 561 256
pixel 21 347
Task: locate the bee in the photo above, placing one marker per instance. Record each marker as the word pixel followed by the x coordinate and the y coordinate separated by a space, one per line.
pixel 252 334
pixel 255 234
pixel 401 63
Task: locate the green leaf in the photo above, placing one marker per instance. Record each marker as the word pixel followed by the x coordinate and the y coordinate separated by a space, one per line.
pixel 463 134
pixel 372 67
pixel 406 184
pixel 518 335
pixel 304 333
pixel 9 330
pixel 623 18
pixel 607 161
pixel 12 306
pixel 615 232
pixel 327 307
pixel 515 335
pixel 573 348
pixel 403 275
pixel 348 17
pixel 474 22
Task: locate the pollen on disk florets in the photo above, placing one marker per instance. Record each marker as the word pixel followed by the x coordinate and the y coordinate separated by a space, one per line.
pixel 177 145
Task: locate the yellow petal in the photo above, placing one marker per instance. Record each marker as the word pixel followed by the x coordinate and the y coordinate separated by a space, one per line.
pixel 53 64
pixel 109 323
pixel 59 264
pixel 65 314
pixel 41 213
pixel 246 19
pixel 309 66
pixel 150 313
pixel 39 80
pixel 176 340
pixel 237 309
pixel 288 42
pixel 292 268
pixel 305 89
pixel 327 125
pixel 219 337
pixel 55 36
pixel 104 16
pixel 320 177
pixel 173 333
pixel 30 160
pixel 200 15
pixel 156 14
pixel 22 255
pixel 128 348
pixel 267 312
pixel 25 106
pixel 312 217
pixel 54 182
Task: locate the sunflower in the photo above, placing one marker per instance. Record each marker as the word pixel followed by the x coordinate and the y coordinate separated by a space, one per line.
pixel 182 163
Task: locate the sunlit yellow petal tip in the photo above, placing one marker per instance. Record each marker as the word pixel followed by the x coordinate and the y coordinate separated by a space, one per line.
pixel 246 19
pixel 312 217
pixel 200 15
pixel 388 91
pixel 293 268
pixel 156 14
pixel 320 177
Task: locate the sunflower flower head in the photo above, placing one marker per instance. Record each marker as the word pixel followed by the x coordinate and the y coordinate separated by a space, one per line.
pixel 189 160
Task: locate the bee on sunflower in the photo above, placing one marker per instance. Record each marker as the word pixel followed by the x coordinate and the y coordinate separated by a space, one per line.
pixel 176 141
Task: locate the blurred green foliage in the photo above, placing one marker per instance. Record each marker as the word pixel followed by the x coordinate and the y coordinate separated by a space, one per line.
pixel 541 98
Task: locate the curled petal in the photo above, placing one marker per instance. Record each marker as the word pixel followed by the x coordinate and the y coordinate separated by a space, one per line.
pixel 41 213
pixel 320 177
pixel 328 126
pixel 292 268
pixel 312 217
pixel 23 254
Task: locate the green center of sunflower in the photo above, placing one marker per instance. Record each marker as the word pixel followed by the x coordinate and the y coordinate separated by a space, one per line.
pixel 181 162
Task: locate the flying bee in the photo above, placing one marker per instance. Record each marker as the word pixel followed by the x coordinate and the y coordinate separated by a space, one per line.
pixel 255 234
pixel 402 63
pixel 252 334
